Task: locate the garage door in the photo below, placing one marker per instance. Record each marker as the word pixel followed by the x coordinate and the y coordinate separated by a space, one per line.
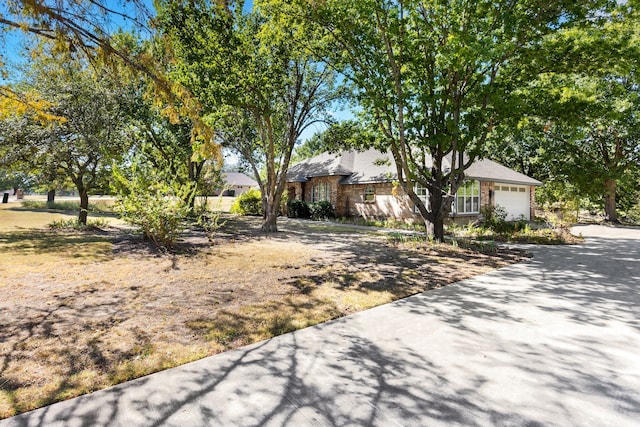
pixel 514 199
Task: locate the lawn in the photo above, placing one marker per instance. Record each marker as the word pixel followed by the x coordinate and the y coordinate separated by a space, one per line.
pixel 83 311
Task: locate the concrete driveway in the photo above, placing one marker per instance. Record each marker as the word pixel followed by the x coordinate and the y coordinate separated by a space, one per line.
pixel 553 341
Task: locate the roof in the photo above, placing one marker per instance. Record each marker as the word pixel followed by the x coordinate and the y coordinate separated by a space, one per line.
pixel 488 170
pixel 356 167
pixel 373 166
pixel 239 179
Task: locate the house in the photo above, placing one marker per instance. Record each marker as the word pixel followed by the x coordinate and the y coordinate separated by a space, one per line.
pixel 362 184
pixel 237 183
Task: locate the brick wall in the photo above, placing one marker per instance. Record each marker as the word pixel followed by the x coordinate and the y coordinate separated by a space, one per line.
pixel 486 194
pixel 334 194
pixel 389 204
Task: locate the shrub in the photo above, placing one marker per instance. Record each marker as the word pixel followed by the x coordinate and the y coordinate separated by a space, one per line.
pixel 100 206
pixel 321 210
pixel 209 219
pixel 249 203
pixel 632 215
pixel 298 209
pixel 495 218
pixel 521 223
pixel 74 224
pixel 152 202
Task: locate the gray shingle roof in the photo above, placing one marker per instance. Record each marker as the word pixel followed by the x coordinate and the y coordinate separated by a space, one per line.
pixel 374 166
pixel 488 170
pixel 239 179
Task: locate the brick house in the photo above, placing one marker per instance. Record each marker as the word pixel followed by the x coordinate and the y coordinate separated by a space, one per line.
pixel 362 184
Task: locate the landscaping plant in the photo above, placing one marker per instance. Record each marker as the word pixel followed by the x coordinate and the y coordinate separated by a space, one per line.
pixel 154 204
pixel 249 203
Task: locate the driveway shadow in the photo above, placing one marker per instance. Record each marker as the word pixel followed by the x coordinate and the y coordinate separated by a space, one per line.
pixel 552 341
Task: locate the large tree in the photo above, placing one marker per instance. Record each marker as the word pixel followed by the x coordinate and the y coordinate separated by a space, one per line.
pixel 256 79
pixel 92 29
pixel 434 77
pixel 581 115
pixel 85 131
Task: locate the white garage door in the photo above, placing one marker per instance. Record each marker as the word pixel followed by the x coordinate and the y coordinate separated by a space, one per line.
pixel 515 200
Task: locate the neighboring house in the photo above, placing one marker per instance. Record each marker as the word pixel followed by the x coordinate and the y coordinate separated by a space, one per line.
pixel 237 183
pixel 362 184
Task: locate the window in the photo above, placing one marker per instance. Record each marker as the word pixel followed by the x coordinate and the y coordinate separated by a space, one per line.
pixel 320 192
pixel 423 194
pixel 468 198
pixel 369 194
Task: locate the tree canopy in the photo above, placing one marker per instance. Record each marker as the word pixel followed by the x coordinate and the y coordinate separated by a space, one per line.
pixel 87 134
pixel 434 78
pixel 580 116
pixel 256 79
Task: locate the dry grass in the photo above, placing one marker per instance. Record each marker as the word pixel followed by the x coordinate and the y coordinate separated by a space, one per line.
pixel 13 216
pixel 81 312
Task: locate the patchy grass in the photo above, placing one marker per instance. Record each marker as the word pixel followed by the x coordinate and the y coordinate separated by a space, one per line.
pixel 68 205
pixel 83 311
pixel 14 216
pixel 525 234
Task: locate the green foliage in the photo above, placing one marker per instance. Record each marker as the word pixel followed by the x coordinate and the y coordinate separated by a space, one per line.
pixel 87 130
pixel 249 203
pixel 74 224
pixel 338 136
pixel 632 215
pixel 433 78
pixel 152 202
pixel 209 219
pixel 495 217
pixel 578 129
pixel 298 209
pixel 473 235
pixel 321 210
pixel 258 83
pixel 382 223
pixel 66 206
pixel 10 179
pixel 408 238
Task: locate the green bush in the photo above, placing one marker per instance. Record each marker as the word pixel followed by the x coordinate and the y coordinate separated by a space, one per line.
pixel 74 224
pixel 298 209
pixel 209 219
pixel 249 203
pixel 495 218
pixel 156 204
pixel 521 223
pixel 100 206
pixel 321 210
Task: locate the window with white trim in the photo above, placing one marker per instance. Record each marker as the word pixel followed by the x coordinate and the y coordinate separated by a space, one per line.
pixel 468 198
pixel 321 192
pixel 369 194
pixel 423 194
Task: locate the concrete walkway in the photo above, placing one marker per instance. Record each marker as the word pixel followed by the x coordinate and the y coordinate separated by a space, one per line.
pixel 554 341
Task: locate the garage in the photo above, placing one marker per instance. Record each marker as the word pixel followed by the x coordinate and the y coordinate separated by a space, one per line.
pixel 514 199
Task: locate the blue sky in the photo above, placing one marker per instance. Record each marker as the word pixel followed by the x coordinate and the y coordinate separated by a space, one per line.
pixel 14 43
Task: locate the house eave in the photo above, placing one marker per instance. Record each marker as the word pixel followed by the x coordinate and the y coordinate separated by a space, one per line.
pixel 534 183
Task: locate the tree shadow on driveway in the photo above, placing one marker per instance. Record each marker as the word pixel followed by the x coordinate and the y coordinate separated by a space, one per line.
pixel 552 341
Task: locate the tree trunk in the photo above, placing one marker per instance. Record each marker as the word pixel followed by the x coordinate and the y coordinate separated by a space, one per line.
pixel 51 197
pixel 436 229
pixel 610 200
pixel 270 221
pixel 84 207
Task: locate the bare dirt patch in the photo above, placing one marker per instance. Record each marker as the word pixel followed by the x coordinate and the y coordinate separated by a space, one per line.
pixel 82 312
